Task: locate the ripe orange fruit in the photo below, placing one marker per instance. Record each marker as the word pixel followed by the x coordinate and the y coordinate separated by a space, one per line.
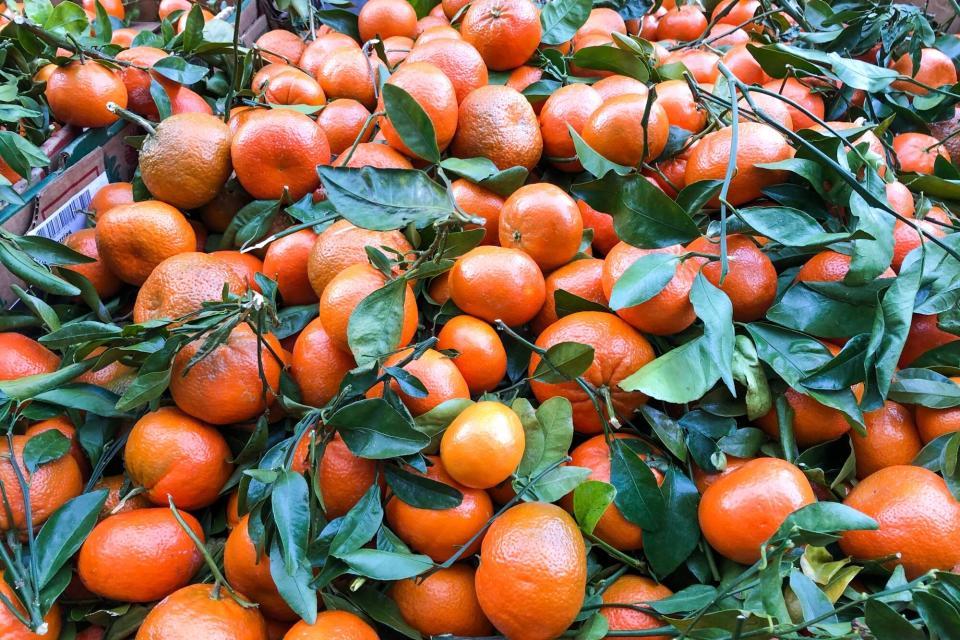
pixel 439 533
pixel 438 374
pixel 433 27
pixel 21 356
pixel 498 123
pixel 703 65
pixel 294 87
pixel 829 266
pixel 115 377
pixel 318 365
pixel 603 20
pixel 917 152
pixel 386 18
pixel 923 336
pixel 742 12
pixel 480 278
pixel 757 144
pixel 571 105
pixel 343 121
pixel 264 77
pixel 65 427
pixel 682 110
pixel 605 235
pixel 345 73
pixel 740 511
pixel 245 266
pixel 341 245
pixel 115 488
pixel 542 221
pixel 683 23
pixel 139 556
pixel 78 94
pixel 182 20
pixel 505 32
pixel 175 456
pixel 524 76
pixel 666 313
pixel 619 351
pixel 167 7
pixel 906 238
pixel 745 68
pixel 933 423
pixel 225 386
pixel 134 238
pixel 345 291
pixel 111 195
pixel 482 360
pixel 533 572
pixel 704 479
pixel 342 625
pixel 137 80
pixel 806 97
pixel 374 154
pixel 616 131
pixel 280 45
pixel 13 629
pixel 750 283
pixel 396 49
pixel 343 477
pixel 636 591
pixel 286 263
pixel 587 41
pixel 187 161
pixel 723 35
pixel 84 241
pixel 581 278
pixel 480 203
pixel 457 59
pixel 196 611
pixel 936 69
pixel 276 149
pixel 182 283
pixel 444 602
pixel 918 516
pixel 434 92
pixel 112 7
pixel 49 487
pixel 317 51
pixel 617 85
pixel 248 571
pixel 891 439
pixel 483 445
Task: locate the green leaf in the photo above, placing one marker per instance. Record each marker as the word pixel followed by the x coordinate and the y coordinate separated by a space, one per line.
pixel 556 419
pixel 590 500
pixel 643 280
pixel 694 197
pixel 667 430
pixel 79 332
pixel 813 602
pixel 39 308
pixel 591 160
pixel 38 10
pixel 31 386
pixel 160 99
pixel 411 122
pixel 64 532
pixel 179 70
pixel 818 523
pixel 360 524
pixel 294 585
pixel 383 609
pixel 680 375
pixel 483 172
pixel 340 20
pixel 610 58
pixel 563 361
pixel 38 275
pixel 373 429
pixel 941 616
pixel 871 257
pixel 386 565
pixel 385 199
pixel 83 397
pixel 567 303
pixel 887 624
pixel 748 371
pixel 714 308
pixel 560 19
pixel 791 354
pixel 638 495
pixel 50 252
pixel 691 598
pixel 788 226
pixel 67 18
pixel 419 491
pixel 925 388
pixel 595 628
pixel 806 309
pixel 290 503
pixel 553 485
pixel 376 323
pixel 667 547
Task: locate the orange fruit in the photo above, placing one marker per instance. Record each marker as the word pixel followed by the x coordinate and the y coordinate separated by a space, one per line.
pixel 480 203
pixel 617 85
pixel 619 351
pixel 341 625
pixel 65 427
pixel 587 41
pixel 280 45
pixel 740 511
pixel 581 278
pixel 277 149
pixel 112 7
pixel 187 161
pixel 317 51
pixel 245 266
pixel 182 283
pixel 918 516
pixel 684 23
pixel 533 572
pixel 84 241
pixel 439 27
pixel 79 92
pixel 438 374
pixel 666 313
pixel 343 120
pixel 542 221
pixel 498 123
pixel 723 35
pixel 439 290
pixel 635 591
pixel 167 7
pixel 139 556
pixel 616 132
pixel 457 59
pixel 396 49
pixel 742 12
pixel 482 360
pixel 182 20
pixel 605 235
pixel 771 106
pixel 806 97
pixel 571 105
pixel 917 152
pixel 603 20
pixel 704 479
pixel 906 238
pixel 505 32
pixel 286 263
pixel 115 488
pixel 444 602
pixel 196 611
pixel 345 291
pixel 439 533
pixel 923 336
pixel 891 439
pixel 483 445
pixel 134 238
pixel 13 629
pixel 829 266
pixel 757 144
pixel 702 65
pixel 933 423
pixel 386 18
pixel 481 278
pixel 750 283
pixel 21 356
pixel 111 195
pixel 345 73
pixel 175 456
pixel 294 87
pixel 217 214
pixel 374 154
pixel 745 68
pixel 225 386
pixel 435 94
pixel 264 77
pixel 343 477
pixel 318 366
pixel 682 110
pixel 936 69
pixel 248 571
pixel 524 76
pixel 341 245
pixel 115 376
pixel 49 487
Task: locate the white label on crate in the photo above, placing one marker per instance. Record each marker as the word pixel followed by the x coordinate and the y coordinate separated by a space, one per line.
pixel 71 216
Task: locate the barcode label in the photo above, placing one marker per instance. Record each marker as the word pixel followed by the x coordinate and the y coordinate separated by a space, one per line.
pixel 70 217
